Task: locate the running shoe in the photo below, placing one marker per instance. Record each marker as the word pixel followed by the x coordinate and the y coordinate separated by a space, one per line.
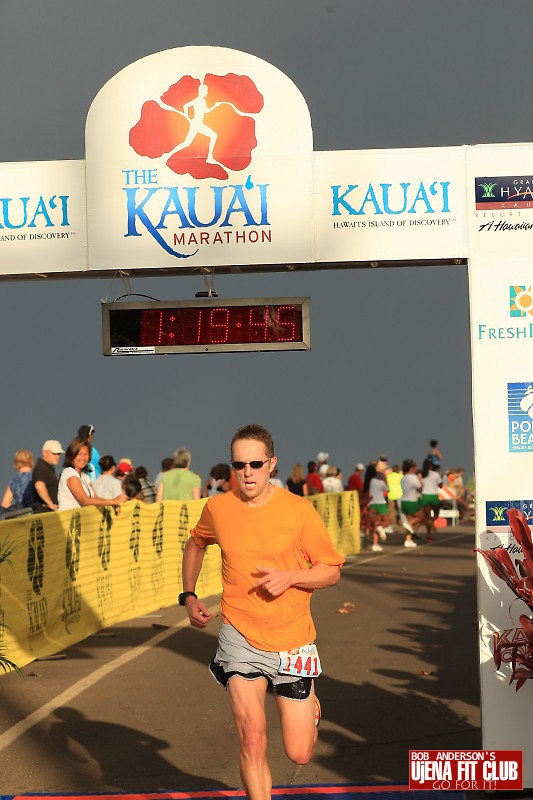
pixel 407 527
pixel 318 711
pixel 409 543
pixel 377 548
pixel 381 533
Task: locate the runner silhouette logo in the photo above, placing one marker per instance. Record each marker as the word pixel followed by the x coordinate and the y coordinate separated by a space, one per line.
pixel 204 126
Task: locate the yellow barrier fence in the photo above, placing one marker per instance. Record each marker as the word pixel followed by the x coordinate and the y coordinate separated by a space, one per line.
pixel 73 573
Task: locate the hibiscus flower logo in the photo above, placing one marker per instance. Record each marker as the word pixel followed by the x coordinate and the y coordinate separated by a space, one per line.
pixel 204 126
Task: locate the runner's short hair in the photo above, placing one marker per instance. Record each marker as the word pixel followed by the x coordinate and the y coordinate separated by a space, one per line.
pixel 257 432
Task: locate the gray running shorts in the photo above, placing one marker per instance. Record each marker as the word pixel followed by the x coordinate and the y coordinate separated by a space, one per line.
pixel 236 656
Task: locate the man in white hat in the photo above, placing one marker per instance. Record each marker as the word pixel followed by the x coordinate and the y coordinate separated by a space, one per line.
pixel 44 478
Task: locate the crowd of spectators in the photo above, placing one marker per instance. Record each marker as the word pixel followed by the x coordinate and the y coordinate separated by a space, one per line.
pixel 388 496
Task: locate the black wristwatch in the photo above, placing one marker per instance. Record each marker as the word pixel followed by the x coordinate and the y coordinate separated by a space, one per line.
pixel 184 595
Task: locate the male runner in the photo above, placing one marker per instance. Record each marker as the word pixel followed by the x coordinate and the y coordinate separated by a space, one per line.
pixel 275 551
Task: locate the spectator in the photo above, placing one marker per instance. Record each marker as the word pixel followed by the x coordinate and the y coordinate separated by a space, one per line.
pixel 274 480
pixel 133 488
pixel 460 495
pixel 355 481
pixel 321 460
pixel 166 465
pixel 44 478
pixel 19 492
pixel 75 490
pixel 107 485
pixel 434 454
pixel 322 471
pixel 331 482
pixel 124 468
pixel 149 489
pixel 180 483
pixel 312 479
pixel 382 467
pixel 218 481
pixel 94 470
pixel 296 481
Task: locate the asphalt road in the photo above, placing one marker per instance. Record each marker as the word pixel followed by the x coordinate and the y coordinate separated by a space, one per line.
pixel 134 709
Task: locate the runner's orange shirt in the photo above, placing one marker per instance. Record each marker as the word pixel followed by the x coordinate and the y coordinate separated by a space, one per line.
pixel 284 533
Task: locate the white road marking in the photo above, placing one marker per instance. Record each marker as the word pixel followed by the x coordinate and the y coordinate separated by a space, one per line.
pixel 20 728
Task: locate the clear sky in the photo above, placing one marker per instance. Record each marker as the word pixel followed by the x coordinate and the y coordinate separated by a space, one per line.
pixel 390 361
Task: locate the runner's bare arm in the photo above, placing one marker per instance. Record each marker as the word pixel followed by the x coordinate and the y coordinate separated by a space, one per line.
pixel 277 581
pixel 193 557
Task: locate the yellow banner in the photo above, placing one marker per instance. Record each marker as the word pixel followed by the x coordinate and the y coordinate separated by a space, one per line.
pixel 73 573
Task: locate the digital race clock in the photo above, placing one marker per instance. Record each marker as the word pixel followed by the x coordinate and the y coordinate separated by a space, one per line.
pixel 205 326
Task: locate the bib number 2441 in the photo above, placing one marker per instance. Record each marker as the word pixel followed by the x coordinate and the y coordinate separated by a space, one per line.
pixel 300 661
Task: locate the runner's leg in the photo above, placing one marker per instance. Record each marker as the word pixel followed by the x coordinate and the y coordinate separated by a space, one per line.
pixel 298 727
pixel 247 700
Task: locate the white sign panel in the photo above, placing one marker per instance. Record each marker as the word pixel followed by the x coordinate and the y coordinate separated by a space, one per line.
pixel 500 199
pixel 390 204
pixel 199 156
pixel 500 219
pixel 42 217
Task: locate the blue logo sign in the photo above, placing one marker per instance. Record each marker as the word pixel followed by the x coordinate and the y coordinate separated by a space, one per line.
pixel 520 408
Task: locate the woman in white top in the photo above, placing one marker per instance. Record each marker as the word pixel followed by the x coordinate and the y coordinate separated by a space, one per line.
pixel 75 489
pixel 431 482
pixel 332 483
pixel 411 516
pixel 107 485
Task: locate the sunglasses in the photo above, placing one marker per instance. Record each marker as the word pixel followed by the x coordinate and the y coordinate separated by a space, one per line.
pixel 240 465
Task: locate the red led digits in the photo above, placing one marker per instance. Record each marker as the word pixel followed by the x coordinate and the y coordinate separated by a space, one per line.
pixel 258 324
pixel 286 323
pixel 243 324
pixel 219 329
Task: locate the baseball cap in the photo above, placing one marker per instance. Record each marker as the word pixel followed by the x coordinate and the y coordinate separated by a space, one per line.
pixel 360 466
pixel 84 431
pixel 125 466
pixel 323 471
pixel 53 446
pixel 322 456
pixel 382 458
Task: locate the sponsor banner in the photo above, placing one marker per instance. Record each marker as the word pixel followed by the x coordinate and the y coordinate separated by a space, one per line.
pixel 390 204
pixel 520 413
pixel 499 199
pixel 208 163
pixel 75 572
pixel 465 770
pixel 42 217
pixel 496 513
pixel 502 342
pixel 500 275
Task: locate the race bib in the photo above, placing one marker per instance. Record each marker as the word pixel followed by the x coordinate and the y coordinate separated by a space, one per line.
pixel 303 662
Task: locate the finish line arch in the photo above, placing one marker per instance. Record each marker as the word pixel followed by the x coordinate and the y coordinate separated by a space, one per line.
pixel 248 193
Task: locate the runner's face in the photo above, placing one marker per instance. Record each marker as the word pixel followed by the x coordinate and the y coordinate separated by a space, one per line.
pixel 253 483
